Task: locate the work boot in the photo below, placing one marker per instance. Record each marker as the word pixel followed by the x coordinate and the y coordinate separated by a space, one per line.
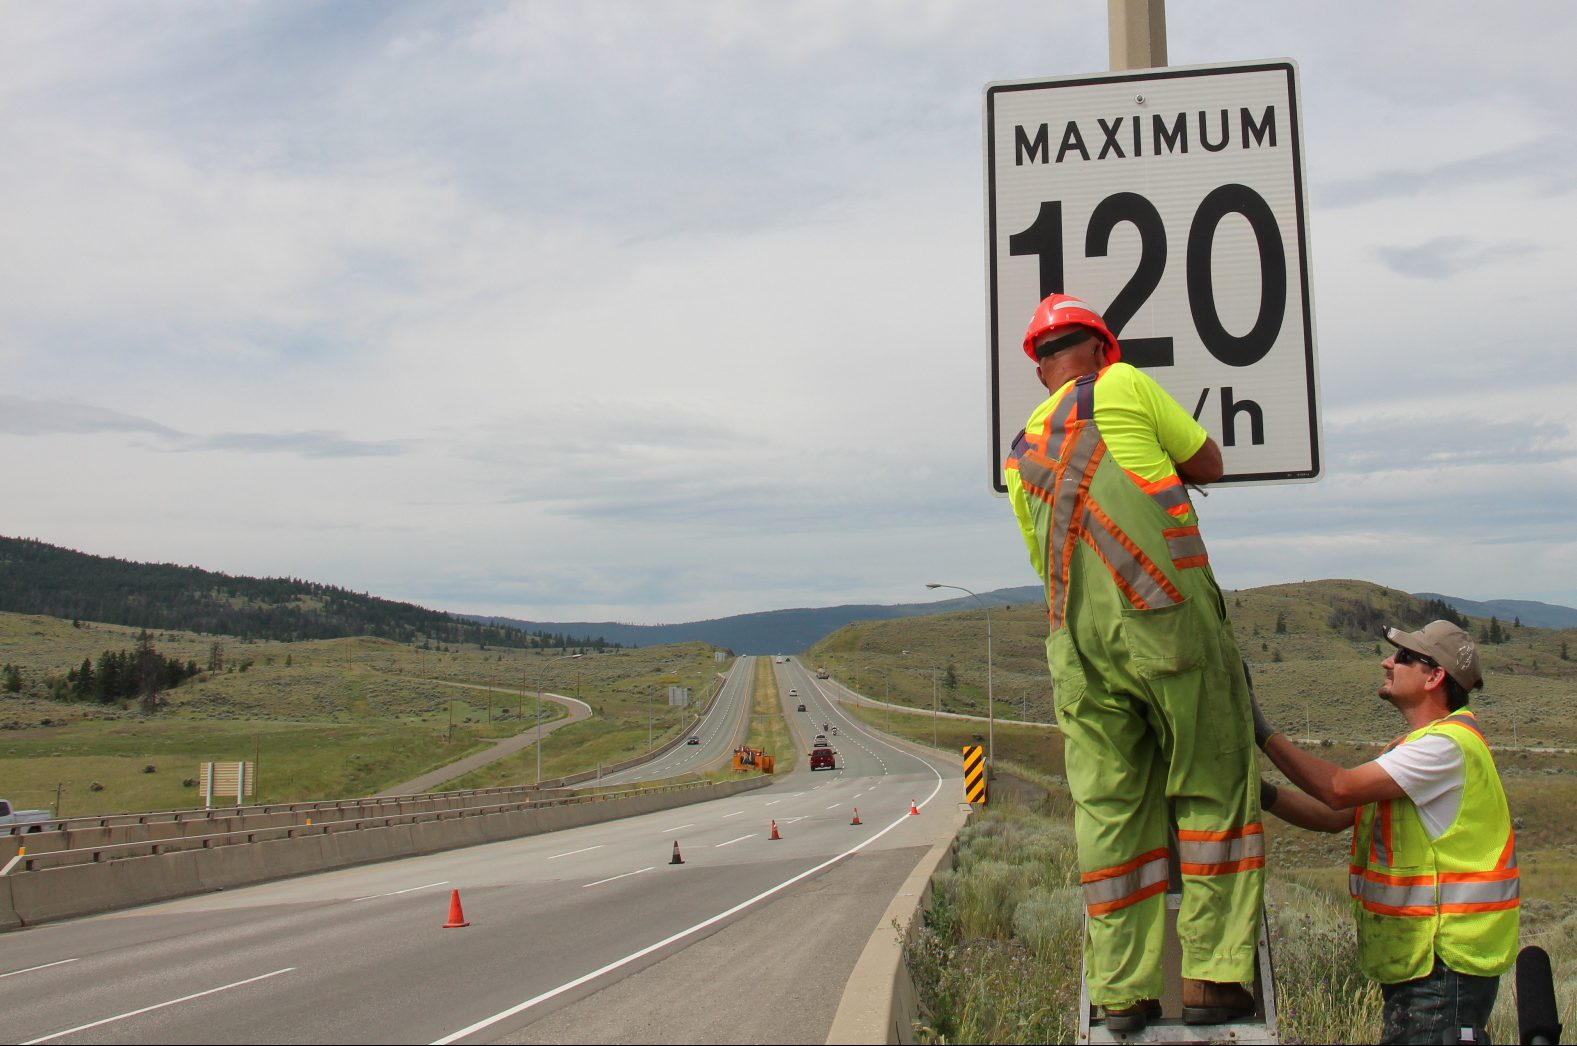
pixel 1215 1002
pixel 1128 1020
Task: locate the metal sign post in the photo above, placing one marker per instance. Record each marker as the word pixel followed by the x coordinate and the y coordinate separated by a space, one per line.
pixel 1172 201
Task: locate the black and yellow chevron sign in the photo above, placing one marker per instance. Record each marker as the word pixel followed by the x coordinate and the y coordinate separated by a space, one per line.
pixel 975 774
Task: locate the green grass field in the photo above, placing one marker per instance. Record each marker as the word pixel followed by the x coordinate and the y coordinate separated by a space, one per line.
pixel 768 730
pixel 324 718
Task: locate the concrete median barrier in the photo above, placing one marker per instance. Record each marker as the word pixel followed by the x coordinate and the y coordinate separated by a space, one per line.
pixel 60 883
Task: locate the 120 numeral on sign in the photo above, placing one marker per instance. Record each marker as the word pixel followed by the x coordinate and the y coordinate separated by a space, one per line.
pixel 1043 239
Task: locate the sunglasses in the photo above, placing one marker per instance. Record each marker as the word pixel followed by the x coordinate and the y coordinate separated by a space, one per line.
pixel 1403 656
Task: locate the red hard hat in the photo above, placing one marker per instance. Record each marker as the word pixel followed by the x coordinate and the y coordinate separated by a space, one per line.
pixel 1064 310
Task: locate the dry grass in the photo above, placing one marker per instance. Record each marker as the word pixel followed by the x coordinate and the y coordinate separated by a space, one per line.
pixel 1309 673
pixel 330 718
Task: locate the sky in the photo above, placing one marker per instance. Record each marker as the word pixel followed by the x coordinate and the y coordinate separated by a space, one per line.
pixel 659 311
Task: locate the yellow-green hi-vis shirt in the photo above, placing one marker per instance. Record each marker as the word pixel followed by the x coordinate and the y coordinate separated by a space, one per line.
pixel 1145 431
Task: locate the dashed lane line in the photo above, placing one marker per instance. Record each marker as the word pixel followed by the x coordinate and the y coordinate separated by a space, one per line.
pixel 582 850
pixel 30 969
pixel 158 1006
pixel 625 875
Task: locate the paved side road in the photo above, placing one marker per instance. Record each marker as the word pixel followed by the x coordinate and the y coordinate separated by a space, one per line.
pixel 578 710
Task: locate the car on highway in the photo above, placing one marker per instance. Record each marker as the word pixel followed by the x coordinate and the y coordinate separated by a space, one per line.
pixel 821 739
pixel 802 708
pixel 693 741
pixel 822 758
pixel 793 692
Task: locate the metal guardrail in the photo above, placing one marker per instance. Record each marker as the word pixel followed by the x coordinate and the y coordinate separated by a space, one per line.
pixel 124 851
pixel 216 812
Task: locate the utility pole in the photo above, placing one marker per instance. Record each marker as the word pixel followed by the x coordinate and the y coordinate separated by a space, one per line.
pixel 1136 30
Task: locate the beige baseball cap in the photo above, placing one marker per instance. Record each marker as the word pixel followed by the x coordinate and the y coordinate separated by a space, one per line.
pixel 1447 646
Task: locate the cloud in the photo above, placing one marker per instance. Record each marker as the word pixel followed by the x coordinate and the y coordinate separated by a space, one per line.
pixel 1448 256
pixel 23 417
pixel 301 444
pixel 1549 162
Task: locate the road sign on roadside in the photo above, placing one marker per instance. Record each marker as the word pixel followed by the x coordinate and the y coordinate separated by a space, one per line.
pixel 223 780
pixel 1172 201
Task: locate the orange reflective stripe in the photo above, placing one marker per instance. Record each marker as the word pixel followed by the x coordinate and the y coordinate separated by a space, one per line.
pixel 1129 580
pixel 1187 548
pixel 1508 853
pixel 1110 889
pixel 1091 448
pixel 1221 853
pixel 1380 835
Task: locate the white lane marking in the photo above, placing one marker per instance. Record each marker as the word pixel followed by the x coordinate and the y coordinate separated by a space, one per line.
pixel 610 879
pixel 158 1006
pixel 635 956
pixel 834 806
pixel 30 969
pixel 582 850
pixel 858 794
pixel 736 813
pixel 741 839
pixel 774 802
pixel 665 831
pixel 791 820
pixel 397 893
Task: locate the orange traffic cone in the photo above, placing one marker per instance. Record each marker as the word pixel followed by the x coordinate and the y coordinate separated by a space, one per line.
pixel 456 914
pixel 914 810
pixel 676 858
pixel 775 834
pixel 856 816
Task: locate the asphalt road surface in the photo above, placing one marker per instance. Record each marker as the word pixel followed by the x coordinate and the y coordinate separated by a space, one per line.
pixel 585 935
pixel 718 733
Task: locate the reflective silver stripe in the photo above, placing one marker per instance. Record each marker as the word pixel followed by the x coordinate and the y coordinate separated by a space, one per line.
pixel 1395 896
pixel 1171 497
pixel 1059 415
pixel 1068 493
pixel 1035 474
pixel 1480 892
pixel 1185 546
pixel 1119 887
pixel 1126 566
pixel 1221 851
pixel 1382 852
pixel 1354 884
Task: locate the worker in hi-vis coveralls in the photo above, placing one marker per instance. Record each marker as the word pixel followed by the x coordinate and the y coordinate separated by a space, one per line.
pixel 1151 692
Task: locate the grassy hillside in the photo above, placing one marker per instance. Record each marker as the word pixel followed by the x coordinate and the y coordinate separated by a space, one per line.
pixel 39 578
pixel 324 718
pixel 1314 649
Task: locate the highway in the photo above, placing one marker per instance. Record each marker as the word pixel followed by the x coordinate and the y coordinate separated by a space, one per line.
pixel 719 732
pixel 585 935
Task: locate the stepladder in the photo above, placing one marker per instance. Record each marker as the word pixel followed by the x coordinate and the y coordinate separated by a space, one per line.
pixel 1259 1027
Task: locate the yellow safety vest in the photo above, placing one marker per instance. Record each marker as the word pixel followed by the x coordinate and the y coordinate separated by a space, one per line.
pixel 1456 896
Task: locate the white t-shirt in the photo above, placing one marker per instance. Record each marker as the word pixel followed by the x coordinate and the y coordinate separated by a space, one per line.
pixel 1431 771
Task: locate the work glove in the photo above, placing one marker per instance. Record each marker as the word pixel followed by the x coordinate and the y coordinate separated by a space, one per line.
pixel 1262 728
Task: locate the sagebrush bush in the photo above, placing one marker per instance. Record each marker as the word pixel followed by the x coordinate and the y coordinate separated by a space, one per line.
pixel 1051 923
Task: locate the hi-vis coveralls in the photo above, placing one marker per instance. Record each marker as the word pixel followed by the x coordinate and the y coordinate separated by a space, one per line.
pixel 1456 896
pixel 1149 685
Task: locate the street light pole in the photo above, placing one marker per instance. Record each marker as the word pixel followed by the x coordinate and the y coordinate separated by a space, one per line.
pixel 887 682
pixel 991 713
pixel 540 682
pixel 935 707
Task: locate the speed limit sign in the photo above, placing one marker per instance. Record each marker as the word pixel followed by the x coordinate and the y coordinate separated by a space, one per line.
pixel 1172 201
